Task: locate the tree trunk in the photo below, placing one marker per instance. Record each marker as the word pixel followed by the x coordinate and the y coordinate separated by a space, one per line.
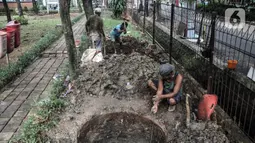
pixel 87 6
pixel 7 11
pixel 79 5
pixel 19 8
pixel 68 32
pixel 35 8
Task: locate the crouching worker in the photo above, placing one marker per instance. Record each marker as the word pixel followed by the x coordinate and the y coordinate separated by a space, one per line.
pixel 168 86
pixel 117 31
pixel 94 29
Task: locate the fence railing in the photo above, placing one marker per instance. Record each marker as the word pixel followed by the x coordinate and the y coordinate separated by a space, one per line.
pixel 207 59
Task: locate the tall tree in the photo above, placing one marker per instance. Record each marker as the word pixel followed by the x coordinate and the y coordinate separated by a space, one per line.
pixel 35 7
pixel 88 8
pixel 79 5
pixel 19 8
pixel 7 11
pixel 68 32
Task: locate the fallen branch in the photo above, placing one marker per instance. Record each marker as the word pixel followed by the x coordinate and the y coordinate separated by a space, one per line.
pixel 188 111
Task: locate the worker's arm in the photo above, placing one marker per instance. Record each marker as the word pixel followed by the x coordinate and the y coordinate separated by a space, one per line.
pixel 160 87
pixel 177 87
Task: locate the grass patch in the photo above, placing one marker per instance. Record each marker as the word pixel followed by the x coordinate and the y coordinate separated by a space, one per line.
pixel 8 73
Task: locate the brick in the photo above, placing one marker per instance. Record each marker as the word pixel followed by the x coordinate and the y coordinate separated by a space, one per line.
pixel 17 103
pixel 16 120
pixel 1 127
pixel 9 112
pixel 25 108
pixel 4 121
pixel 10 98
pixel 25 93
pixel 31 86
pixel 21 114
pixel 4 94
pixel 6 136
pixel 10 128
pixel 18 89
pixel 4 105
pixel 21 85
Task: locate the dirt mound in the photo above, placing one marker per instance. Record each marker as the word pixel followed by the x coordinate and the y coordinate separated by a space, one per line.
pixel 119 84
pixel 121 128
pixel 119 76
pixel 130 44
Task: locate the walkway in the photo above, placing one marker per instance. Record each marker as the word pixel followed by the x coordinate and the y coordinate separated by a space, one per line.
pixel 18 97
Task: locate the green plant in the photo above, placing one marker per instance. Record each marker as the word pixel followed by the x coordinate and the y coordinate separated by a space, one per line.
pixel 22 20
pixel 118 7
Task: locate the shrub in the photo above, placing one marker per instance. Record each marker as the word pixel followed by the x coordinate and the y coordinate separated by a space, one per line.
pixel 118 7
pixel 22 20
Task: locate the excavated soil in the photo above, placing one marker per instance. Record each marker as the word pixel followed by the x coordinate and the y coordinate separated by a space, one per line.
pixel 111 103
pixel 121 127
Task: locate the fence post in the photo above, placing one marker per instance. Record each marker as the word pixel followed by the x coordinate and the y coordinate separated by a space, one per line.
pixel 144 16
pixel 201 24
pixel 211 46
pixel 154 12
pixel 171 33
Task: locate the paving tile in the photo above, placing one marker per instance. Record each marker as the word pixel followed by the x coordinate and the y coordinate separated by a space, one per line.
pixel 4 121
pixel 6 136
pixel 4 105
pixel 1 127
pixel 10 128
pixel 16 120
pixel 20 114
pixel 18 103
pixel 9 112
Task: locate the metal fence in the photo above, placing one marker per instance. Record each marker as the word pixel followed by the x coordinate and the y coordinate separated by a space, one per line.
pixel 177 29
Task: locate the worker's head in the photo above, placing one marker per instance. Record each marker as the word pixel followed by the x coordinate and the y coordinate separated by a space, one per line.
pixel 98 11
pixel 123 26
pixel 167 71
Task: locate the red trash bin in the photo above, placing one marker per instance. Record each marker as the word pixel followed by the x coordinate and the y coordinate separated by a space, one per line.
pixel 15 25
pixel 3 43
pixel 10 39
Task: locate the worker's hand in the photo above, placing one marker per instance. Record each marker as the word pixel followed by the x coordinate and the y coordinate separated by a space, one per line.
pixel 156 98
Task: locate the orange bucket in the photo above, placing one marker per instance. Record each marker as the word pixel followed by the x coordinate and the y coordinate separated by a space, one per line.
pixel 232 64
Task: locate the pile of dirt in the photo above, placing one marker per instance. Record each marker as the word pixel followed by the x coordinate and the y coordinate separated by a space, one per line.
pixel 120 76
pixel 119 84
pixel 130 45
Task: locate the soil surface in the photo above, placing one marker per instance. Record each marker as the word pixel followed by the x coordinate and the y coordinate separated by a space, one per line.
pixel 119 84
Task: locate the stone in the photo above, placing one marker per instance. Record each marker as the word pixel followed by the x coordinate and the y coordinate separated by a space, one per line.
pixel 197 126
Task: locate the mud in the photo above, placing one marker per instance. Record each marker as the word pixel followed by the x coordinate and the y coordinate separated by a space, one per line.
pixel 119 84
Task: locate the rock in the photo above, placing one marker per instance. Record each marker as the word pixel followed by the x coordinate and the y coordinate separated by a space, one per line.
pixel 197 126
